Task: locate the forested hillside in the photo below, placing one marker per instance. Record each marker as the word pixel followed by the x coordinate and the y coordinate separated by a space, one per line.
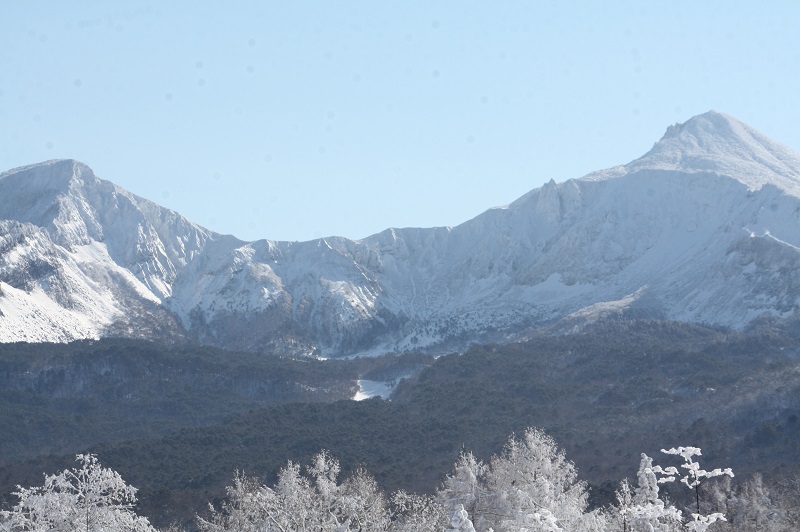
pixel 606 395
pixel 57 398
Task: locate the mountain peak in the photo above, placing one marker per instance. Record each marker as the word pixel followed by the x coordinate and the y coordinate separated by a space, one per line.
pixel 56 165
pixel 710 133
pixel 710 121
pixel 53 176
pixel 718 143
pixel 36 193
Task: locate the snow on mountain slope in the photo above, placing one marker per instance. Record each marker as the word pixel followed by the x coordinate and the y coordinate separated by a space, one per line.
pixel 702 228
pixel 671 235
pixel 76 208
pixel 717 143
pixel 87 254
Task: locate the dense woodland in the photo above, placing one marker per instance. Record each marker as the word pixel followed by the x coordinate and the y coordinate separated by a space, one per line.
pixel 605 395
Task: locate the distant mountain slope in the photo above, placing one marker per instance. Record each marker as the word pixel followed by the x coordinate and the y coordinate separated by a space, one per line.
pixel 702 228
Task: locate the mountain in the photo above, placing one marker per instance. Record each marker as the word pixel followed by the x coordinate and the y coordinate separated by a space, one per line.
pixel 702 228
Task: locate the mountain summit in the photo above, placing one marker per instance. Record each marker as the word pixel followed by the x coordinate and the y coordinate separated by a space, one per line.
pixel 716 143
pixel 702 228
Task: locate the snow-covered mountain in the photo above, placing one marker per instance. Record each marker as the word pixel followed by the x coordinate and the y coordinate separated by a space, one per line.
pixel 702 228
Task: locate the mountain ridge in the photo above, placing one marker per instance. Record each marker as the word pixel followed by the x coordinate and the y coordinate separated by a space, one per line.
pixel 702 228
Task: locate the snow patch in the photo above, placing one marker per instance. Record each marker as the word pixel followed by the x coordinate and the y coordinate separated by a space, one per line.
pixel 602 309
pixel 368 389
pixel 35 317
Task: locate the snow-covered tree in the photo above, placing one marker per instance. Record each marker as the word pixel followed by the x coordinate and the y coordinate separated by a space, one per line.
pixel 412 513
pixel 533 486
pixel 245 510
pixel 461 492
pixel 530 486
pixel 619 515
pixel 749 506
pixel 644 511
pixel 87 498
pixel 361 504
pixel 299 502
pixel 693 477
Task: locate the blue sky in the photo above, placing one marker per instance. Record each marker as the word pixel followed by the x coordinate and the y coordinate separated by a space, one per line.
pixel 297 120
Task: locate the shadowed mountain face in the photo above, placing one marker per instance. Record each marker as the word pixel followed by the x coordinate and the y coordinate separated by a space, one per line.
pixel 702 228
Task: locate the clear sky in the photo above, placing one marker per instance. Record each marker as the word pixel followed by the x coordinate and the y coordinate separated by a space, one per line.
pixel 295 120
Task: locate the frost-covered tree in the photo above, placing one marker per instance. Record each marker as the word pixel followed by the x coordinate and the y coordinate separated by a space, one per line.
pixel 315 501
pixel 412 513
pixel 529 486
pixel 693 478
pixel 87 498
pixel 644 511
pixel 461 492
pixel 361 504
pixel 245 510
pixel 749 506
pixel 533 486
pixel 619 516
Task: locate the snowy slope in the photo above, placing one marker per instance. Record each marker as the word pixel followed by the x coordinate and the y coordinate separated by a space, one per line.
pixel 80 257
pixel 702 228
